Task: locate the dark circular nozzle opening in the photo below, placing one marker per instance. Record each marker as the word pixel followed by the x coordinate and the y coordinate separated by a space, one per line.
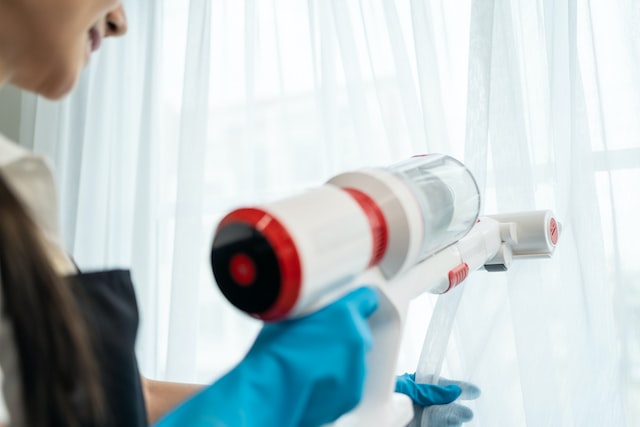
pixel 245 267
pixel 256 264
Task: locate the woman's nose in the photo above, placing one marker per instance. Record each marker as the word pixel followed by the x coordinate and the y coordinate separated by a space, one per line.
pixel 116 22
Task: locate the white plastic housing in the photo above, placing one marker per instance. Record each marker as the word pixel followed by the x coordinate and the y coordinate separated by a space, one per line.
pixel 401 210
pixel 536 233
pixel 332 238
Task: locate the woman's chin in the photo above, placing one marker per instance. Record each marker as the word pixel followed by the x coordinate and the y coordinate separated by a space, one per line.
pixel 58 88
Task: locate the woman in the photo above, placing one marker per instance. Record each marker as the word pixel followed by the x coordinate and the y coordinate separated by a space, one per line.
pixel 51 353
pixel 67 338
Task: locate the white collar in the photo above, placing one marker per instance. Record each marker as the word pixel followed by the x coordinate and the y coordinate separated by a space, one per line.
pixel 10 152
pixel 31 179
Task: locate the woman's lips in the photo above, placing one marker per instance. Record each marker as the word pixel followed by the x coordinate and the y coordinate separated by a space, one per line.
pixel 95 37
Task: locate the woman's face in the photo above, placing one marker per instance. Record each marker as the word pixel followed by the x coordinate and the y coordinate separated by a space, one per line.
pixel 53 39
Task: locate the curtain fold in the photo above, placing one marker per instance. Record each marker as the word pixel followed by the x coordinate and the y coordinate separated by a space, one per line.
pixel 187 252
pixel 210 104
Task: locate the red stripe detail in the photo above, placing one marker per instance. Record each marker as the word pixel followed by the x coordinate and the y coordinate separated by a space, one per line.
pixel 286 253
pixel 377 223
pixel 457 275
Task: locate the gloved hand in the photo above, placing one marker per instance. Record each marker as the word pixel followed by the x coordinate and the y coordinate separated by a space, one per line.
pixel 301 372
pixel 431 406
pixel 426 394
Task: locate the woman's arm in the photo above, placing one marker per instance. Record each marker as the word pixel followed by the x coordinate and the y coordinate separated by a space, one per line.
pixel 162 396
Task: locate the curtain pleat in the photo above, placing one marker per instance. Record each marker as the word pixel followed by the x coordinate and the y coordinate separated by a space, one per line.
pixel 187 252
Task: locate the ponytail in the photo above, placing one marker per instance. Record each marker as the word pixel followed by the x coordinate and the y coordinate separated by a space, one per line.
pixel 58 370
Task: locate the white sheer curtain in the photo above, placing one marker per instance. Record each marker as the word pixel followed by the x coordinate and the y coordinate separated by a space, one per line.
pixel 208 104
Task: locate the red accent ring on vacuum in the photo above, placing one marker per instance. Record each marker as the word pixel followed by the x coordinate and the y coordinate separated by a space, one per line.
pixel 377 223
pixel 286 253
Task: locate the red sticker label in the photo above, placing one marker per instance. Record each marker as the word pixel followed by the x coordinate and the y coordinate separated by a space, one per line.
pixel 553 231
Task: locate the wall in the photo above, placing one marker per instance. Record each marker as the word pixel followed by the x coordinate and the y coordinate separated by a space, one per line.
pixel 10 107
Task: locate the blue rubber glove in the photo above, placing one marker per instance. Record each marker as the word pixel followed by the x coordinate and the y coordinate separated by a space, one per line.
pixel 300 372
pixel 431 405
pixel 426 394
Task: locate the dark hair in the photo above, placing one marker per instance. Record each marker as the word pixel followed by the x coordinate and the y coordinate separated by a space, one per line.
pixel 60 381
